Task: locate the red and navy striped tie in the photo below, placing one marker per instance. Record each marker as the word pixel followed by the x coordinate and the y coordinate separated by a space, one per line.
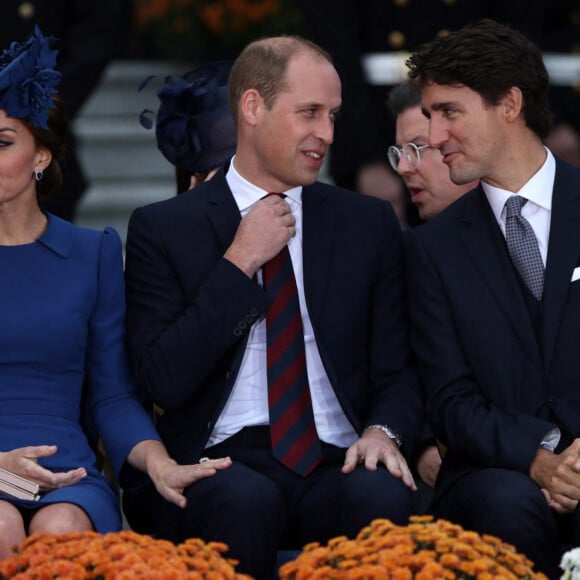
pixel 294 438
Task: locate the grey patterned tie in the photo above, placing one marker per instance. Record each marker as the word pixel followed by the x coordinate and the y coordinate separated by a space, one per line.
pixel 523 246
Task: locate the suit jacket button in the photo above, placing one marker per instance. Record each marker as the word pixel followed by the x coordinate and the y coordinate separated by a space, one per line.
pixel 254 312
pixel 238 331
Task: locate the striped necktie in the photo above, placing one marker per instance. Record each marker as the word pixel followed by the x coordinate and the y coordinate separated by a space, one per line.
pixel 295 441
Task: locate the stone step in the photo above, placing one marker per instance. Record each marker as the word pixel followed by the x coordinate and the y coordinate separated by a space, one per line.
pixel 115 147
pixel 118 92
pixel 120 158
pixel 111 200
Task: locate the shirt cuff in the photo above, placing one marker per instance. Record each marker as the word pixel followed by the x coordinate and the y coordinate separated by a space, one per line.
pixel 551 439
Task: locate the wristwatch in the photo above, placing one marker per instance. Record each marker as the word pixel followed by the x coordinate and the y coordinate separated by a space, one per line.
pixel 390 433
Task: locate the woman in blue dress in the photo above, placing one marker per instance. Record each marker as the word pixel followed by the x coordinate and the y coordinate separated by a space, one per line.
pixel 62 341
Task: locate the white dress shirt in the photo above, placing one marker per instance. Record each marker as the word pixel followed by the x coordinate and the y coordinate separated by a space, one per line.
pixel 247 404
pixel 538 211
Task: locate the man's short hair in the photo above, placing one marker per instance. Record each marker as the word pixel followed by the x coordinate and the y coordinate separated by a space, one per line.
pixel 262 65
pixel 404 96
pixel 489 58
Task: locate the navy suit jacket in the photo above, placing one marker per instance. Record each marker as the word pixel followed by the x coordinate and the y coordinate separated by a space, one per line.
pixel 190 310
pixel 494 384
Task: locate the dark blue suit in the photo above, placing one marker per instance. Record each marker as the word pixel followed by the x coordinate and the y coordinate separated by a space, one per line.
pixel 190 311
pixel 499 371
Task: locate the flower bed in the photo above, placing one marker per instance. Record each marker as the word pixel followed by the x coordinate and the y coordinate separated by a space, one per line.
pixel 121 556
pixel 198 30
pixel 423 550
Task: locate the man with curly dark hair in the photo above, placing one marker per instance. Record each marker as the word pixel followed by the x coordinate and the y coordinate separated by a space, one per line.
pixel 496 298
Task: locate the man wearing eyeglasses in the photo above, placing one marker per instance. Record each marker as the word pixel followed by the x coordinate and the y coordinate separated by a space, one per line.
pixel 420 166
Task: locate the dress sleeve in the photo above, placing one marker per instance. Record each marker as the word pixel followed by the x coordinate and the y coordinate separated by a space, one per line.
pixel 120 419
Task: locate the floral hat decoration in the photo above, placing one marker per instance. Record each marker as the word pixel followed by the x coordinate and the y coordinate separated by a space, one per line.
pixel 194 127
pixel 28 79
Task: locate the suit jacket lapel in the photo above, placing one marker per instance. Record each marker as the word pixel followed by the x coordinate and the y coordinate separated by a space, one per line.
pixel 223 211
pixel 486 248
pixel 563 255
pixel 318 223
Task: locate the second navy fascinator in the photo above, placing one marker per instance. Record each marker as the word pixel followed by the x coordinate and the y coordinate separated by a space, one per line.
pixel 194 126
pixel 28 79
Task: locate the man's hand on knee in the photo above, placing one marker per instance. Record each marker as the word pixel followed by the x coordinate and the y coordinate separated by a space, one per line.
pixel 375 447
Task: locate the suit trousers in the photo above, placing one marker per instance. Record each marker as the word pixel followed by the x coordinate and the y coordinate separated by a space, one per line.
pixel 258 506
pixel 509 505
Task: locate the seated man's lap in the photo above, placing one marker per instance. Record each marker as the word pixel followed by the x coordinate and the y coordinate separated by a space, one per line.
pixel 338 504
pixel 489 494
pixel 239 496
pixel 325 504
pixel 507 504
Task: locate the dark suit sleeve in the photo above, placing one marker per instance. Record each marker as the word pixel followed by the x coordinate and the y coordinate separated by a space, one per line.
pixel 186 312
pixel 465 420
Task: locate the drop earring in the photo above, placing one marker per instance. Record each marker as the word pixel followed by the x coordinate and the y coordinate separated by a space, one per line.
pixel 38 175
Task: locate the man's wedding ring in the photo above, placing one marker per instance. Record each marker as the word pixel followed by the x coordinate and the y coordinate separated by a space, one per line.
pixel 203 459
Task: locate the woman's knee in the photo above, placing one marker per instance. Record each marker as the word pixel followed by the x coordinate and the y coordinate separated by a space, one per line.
pixel 60 518
pixel 12 530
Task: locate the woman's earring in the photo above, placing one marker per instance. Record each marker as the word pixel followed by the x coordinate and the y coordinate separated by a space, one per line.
pixel 38 175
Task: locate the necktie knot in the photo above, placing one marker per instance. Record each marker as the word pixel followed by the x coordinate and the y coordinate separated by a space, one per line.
pixel 514 206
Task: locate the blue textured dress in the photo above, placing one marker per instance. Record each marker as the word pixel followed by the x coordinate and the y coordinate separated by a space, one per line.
pixel 62 309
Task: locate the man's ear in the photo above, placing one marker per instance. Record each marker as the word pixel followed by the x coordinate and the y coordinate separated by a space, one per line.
pixel 512 103
pixel 251 103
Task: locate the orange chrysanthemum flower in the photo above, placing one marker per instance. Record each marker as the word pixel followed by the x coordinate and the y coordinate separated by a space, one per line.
pixel 423 550
pixel 121 556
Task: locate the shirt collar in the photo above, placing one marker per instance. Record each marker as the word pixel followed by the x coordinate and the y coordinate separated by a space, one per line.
pixel 538 189
pixel 247 194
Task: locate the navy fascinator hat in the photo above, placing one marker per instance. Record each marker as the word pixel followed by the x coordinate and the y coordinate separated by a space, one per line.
pixel 194 126
pixel 28 79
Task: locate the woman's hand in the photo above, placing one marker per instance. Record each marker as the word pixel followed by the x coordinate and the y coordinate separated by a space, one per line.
pixel 24 462
pixel 171 479
pixel 168 476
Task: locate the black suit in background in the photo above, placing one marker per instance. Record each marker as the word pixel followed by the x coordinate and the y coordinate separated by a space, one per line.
pixel 189 315
pixel 91 33
pixel 499 373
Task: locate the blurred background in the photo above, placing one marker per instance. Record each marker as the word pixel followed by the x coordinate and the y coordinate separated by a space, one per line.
pixel 166 37
pixel 109 47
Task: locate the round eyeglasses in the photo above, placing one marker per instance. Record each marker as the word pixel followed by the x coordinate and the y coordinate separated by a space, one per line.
pixel 411 152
